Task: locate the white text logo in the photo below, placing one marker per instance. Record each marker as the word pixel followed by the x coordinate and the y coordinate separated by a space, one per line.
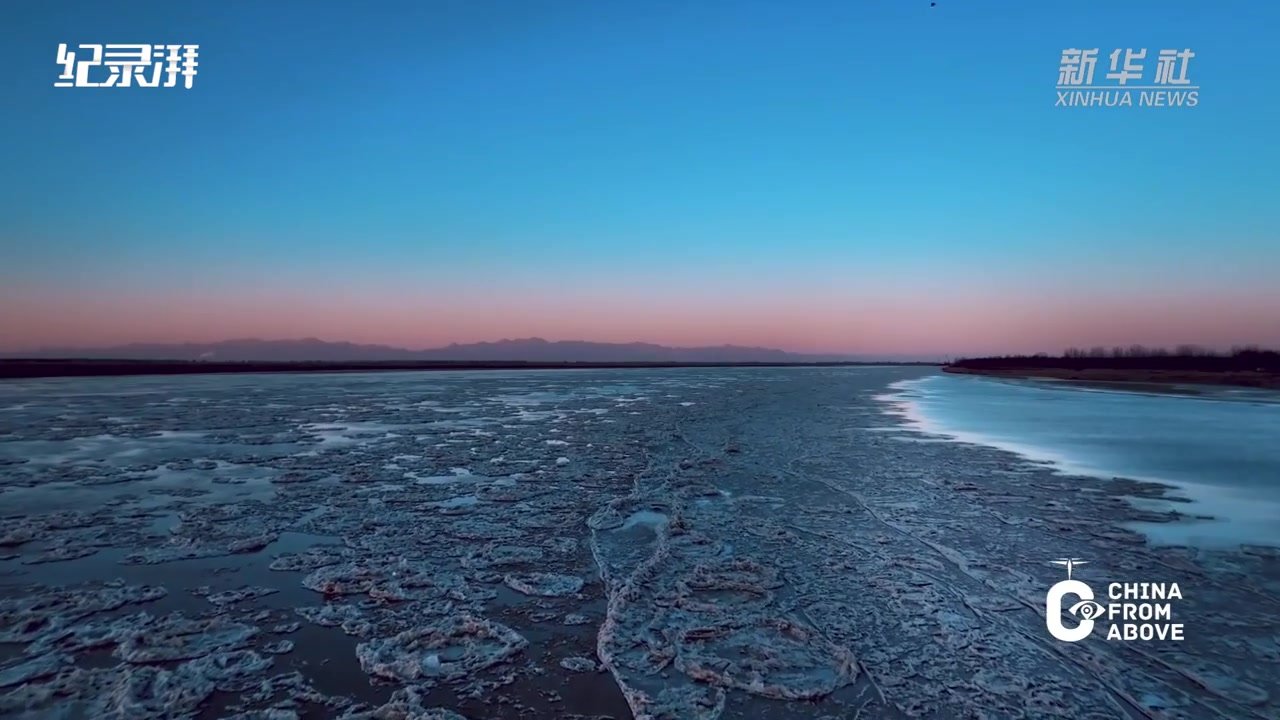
pixel 127 65
pixel 1137 611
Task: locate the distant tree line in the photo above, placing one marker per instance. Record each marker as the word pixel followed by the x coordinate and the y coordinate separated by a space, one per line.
pixel 1244 358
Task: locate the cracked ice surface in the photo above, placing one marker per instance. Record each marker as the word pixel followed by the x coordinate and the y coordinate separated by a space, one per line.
pixel 701 544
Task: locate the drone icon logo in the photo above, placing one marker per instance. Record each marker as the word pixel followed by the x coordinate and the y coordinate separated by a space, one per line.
pixel 1085 608
pixel 1069 563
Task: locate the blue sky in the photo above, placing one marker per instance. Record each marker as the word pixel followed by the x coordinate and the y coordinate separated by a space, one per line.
pixel 712 159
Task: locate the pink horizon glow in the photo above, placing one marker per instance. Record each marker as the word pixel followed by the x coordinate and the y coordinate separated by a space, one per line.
pixel 815 323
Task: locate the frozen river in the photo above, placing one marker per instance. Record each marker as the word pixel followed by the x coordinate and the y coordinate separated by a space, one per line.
pixel 691 544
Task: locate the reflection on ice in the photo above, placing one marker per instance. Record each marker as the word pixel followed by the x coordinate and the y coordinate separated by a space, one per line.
pixel 645 518
pixel 1215 450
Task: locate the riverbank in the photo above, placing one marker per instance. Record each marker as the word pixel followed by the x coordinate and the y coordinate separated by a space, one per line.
pixel 1240 378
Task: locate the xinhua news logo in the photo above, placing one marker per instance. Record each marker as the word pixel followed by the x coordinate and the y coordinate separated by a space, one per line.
pixel 147 66
pixel 1136 611
pixel 1127 83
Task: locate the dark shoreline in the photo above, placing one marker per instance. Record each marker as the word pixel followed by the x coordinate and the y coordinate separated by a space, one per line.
pixel 83 367
pixel 1237 378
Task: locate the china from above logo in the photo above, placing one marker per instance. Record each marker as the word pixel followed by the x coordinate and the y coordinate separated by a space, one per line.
pixel 1168 86
pixel 1137 611
pixel 144 65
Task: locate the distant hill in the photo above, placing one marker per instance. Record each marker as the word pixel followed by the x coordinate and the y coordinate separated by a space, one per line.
pixel 528 349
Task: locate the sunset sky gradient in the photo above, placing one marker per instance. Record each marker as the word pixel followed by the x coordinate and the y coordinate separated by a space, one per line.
pixel 866 177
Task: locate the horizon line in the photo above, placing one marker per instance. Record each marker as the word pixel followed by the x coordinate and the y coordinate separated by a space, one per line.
pixel 920 356
pixel 72 347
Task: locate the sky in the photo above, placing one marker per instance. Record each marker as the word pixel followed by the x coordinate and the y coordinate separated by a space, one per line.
pixel 873 177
